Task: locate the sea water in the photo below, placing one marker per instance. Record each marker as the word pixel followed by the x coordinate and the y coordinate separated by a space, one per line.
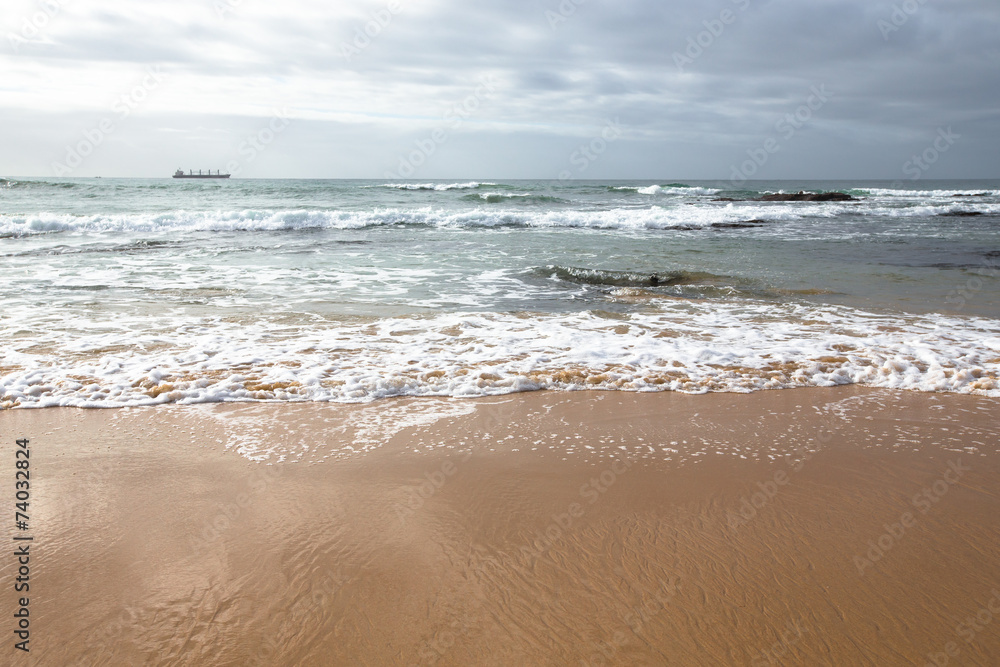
pixel 140 291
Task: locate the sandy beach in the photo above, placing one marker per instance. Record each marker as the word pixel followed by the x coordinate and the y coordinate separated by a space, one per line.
pixel 548 334
pixel 842 526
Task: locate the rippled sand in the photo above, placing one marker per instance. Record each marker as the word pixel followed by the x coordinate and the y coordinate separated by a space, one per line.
pixel 818 526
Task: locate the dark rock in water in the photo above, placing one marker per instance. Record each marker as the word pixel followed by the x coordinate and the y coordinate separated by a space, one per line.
pixel 809 196
pixel 978 194
pixel 961 214
pixel 746 224
pixel 724 199
pixel 654 280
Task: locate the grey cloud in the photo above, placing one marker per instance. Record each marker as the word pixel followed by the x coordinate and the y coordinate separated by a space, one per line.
pixel 616 59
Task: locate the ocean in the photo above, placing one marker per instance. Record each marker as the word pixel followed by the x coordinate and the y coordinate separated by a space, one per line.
pixel 124 292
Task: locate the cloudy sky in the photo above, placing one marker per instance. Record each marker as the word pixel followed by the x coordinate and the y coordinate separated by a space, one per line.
pixel 671 89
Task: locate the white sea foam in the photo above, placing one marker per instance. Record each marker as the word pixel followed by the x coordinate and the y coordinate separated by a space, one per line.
pixel 669 190
pixel 892 192
pixel 687 346
pixel 936 208
pixel 653 217
pixel 500 196
pixel 252 220
pixel 264 436
pixel 471 185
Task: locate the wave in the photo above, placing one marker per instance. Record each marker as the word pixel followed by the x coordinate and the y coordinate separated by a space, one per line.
pixel 678 218
pixel 515 198
pixel 471 185
pixel 265 220
pixel 895 192
pixel 954 207
pixel 688 346
pixel 669 189
pixel 127 247
pixel 61 185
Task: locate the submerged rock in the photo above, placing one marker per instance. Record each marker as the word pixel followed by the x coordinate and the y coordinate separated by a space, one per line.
pixel 745 224
pixel 809 196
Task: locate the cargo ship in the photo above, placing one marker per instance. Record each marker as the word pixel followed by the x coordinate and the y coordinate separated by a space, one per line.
pixel 180 174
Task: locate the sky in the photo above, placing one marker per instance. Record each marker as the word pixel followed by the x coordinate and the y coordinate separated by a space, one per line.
pixel 429 89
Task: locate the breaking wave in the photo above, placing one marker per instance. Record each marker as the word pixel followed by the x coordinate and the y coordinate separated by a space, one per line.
pixel 740 214
pixel 693 347
pixel 471 185
pixel 670 189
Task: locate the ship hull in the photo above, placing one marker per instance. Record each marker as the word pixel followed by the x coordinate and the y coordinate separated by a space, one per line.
pixel 202 176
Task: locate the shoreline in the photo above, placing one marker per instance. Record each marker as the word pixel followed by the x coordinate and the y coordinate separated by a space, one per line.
pixel 793 527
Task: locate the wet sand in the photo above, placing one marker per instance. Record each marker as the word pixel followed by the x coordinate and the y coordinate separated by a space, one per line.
pixel 838 526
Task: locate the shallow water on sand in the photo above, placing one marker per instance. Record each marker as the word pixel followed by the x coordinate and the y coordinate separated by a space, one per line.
pixel 550 528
